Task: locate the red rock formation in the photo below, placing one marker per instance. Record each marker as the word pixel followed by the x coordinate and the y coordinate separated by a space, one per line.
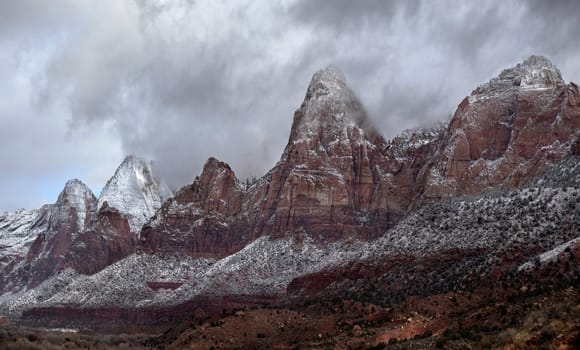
pixel 107 241
pixel 69 216
pixel 506 132
pixel 203 219
pixel 336 178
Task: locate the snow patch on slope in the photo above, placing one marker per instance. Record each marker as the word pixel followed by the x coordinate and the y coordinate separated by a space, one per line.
pixel 15 233
pixel 550 255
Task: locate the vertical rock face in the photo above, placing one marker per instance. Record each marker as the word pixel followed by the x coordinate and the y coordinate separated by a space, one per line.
pixel 135 192
pixel 336 178
pixel 108 240
pixel 203 219
pixel 328 182
pixel 506 131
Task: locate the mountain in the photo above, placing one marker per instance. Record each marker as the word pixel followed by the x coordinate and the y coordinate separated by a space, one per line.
pixel 79 231
pixel 68 218
pixel 486 206
pixel 335 179
pixel 507 131
pixel 134 191
pixel 338 178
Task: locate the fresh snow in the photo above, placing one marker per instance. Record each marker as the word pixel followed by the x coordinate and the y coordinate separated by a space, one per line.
pixel 532 216
pixel 135 191
pixel 78 196
pixel 16 234
pixel 550 255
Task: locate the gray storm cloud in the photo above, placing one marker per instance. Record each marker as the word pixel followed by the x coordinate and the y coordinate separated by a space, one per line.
pixel 181 81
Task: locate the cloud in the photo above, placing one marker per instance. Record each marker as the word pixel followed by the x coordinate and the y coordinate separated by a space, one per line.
pixel 179 81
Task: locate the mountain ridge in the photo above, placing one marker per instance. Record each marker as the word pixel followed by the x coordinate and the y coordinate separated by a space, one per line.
pixel 342 208
pixel 80 231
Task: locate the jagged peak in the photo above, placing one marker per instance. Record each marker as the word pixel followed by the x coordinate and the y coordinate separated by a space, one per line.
pixel 538 61
pixel 141 167
pixel 212 163
pixel 214 169
pixel 75 188
pixel 75 183
pixel 135 191
pixel 534 73
pixel 331 114
pixel 78 196
pixel 534 70
pixel 132 168
pixel 326 81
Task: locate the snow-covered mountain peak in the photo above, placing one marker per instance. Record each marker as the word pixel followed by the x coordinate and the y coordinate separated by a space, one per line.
pixel 135 191
pixel 536 61
pixel 327 81
pixel 78 196
pixel 536 73
pixel 331 115
pixel 75 194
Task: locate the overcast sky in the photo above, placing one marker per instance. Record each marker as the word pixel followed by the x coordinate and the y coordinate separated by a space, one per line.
pixel 83 83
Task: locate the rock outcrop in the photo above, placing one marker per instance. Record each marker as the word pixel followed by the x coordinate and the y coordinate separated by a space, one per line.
pixel 203 219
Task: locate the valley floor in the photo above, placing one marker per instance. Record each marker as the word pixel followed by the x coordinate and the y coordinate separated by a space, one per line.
pixel 540 319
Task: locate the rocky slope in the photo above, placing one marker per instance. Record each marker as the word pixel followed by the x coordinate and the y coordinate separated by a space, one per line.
pixel 16 234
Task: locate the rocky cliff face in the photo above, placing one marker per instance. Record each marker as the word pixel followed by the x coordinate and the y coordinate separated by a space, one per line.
pixel 507 131
pixel 203 219
pixel 329 182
